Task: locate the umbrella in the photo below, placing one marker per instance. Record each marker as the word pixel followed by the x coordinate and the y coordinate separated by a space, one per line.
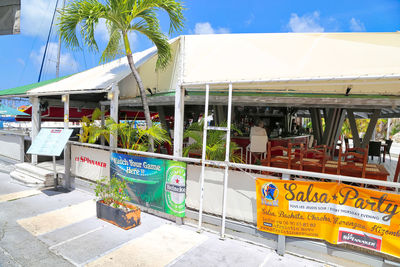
pixel 7 111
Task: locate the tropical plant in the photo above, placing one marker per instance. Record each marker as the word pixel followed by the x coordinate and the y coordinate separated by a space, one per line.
pixel 131 137
pixel 216 142
pixel 395 127
pixel 112 192
pixel 89 127
pixel 122 17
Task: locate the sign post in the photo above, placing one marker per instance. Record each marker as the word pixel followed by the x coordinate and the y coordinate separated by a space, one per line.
pixel 50 142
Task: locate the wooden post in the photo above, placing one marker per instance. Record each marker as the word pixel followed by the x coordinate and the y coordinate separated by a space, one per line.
pixel 371 127
pixel 161 115
pixel 67 154
pixel 353 127
pixel 316 124
pixel 114 113
pixel 103 109
pixel 35 123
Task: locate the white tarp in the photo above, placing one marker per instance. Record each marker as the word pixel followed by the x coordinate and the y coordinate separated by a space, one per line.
pixel 90 163
pixel 97 78
pixel 330 62
pixel 368 63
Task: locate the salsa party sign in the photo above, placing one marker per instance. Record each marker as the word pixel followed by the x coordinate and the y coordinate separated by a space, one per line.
pixel 337 213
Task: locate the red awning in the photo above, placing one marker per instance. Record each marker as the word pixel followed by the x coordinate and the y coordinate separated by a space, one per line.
pixel 75 115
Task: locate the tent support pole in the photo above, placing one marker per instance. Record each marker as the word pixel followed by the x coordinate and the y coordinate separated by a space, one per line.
pixel 178 128
pixel 203 157
pixel 281 247
pixel 227 154
pixel 55 173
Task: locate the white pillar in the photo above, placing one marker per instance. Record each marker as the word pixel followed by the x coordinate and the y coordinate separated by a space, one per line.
pixel 178 120
pixel 35 122
pixel 67 149
pixel 113 97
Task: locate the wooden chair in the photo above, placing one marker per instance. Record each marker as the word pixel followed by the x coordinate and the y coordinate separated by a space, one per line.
pixel 296 155
pixel 316 163
pixel 283 161
pixel 356 162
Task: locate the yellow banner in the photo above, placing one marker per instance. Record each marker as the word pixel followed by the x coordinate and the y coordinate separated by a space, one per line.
pixel 337 213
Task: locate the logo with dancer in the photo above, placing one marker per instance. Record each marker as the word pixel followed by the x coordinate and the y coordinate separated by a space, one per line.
pixel 269 193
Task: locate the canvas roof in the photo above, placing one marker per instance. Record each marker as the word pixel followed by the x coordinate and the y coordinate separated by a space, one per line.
pixel 290 63
pixel 296 62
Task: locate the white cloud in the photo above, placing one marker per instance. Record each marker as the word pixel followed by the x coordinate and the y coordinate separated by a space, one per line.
pixel 21 61
pixel 306 23
pixel 206 28
pixel 250 20
pixel 356 25
pixel 67 62
pixel 36 16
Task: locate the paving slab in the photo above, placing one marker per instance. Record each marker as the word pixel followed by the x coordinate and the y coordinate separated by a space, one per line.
pixel 104 240
pixel 156 248
pixel 51 238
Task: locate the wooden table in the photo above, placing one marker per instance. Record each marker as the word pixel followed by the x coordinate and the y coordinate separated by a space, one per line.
pixel 372 171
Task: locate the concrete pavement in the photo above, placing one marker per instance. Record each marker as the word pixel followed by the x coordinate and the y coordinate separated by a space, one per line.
pixel 48 228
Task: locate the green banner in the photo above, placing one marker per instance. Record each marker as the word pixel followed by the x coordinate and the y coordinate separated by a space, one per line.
pixel 155 183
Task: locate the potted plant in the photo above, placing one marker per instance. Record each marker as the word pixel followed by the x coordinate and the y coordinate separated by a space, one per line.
pixel 112 206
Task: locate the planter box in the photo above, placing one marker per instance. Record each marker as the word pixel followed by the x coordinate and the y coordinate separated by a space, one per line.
pixel 123 219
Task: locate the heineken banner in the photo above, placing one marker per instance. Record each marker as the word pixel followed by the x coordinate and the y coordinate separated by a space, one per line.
pixel 156 183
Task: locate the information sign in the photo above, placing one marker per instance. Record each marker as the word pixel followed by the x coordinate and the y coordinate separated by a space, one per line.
pixel 50 142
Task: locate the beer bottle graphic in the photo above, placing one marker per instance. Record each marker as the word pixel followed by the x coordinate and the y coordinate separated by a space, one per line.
pixel 175 188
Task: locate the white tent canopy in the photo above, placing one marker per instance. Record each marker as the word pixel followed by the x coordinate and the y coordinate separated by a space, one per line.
pixel 302 62
pixel 324 63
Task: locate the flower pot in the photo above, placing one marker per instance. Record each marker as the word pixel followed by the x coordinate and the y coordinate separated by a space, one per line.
pixel 119 217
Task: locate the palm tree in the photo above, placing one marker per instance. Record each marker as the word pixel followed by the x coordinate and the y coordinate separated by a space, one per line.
pixel 122 17
pixel 130 137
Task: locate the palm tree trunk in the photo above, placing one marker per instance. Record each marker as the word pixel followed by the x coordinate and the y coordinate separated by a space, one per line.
pixel 142 96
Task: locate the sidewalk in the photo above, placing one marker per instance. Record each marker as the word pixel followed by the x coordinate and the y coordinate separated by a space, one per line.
pixel 49 228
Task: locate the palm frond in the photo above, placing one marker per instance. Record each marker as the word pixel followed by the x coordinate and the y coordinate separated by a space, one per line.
pixel 84 13
pixel 153 32
pixel 114 47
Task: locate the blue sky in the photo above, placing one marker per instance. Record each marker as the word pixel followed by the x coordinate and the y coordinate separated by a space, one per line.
pixel 21 55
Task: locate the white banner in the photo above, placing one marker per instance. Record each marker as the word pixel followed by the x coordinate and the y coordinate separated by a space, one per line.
pixel 339 210
pixel 90 163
